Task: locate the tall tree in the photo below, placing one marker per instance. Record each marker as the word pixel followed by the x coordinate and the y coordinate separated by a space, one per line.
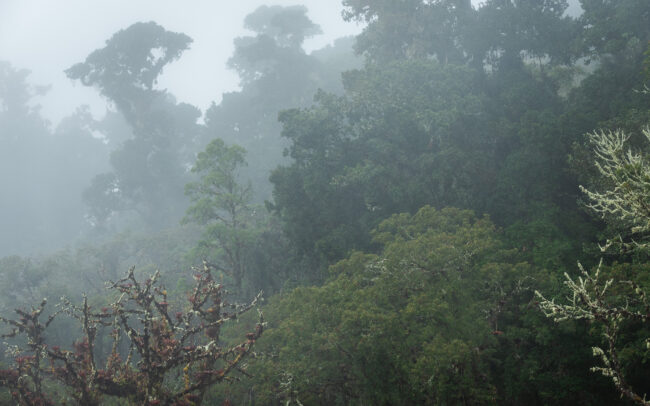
pixel 148 169
pixel 618 302
pixel 42 172
pixel 442 314
pixel 412 28
pixel 618 31
pixel 508 31
pixel 394 143
pixel 275 73
pixel 223 205
pixel 471 122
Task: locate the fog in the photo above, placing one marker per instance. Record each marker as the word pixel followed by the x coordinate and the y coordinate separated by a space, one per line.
pixel 48 37
pixel 354 202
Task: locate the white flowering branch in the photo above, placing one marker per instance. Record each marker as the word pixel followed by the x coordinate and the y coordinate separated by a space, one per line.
pixel 626 200
pixel 629 172
pixel 589 301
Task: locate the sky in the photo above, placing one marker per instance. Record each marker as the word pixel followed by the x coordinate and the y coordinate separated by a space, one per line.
pixel 48 36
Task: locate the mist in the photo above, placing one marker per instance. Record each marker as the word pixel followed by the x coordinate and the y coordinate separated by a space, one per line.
pixel 355 202
pixel 68 33
pixel 41 57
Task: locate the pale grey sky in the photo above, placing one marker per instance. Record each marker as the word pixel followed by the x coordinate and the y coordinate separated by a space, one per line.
pixel 48 36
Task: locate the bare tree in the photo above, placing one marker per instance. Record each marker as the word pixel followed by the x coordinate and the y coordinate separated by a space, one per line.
pixel 157 357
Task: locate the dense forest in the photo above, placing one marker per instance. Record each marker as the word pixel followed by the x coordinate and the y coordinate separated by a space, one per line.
pixel 451 208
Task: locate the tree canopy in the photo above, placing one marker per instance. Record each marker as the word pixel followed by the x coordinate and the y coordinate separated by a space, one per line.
pixel 421 182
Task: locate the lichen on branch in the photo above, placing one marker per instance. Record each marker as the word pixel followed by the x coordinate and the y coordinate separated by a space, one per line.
pixel 157 356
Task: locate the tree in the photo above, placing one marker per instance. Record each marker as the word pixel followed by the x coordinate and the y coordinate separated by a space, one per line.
pixel 127 68
pixel 614 303
pixel 417 323
pixel 456 106
pixel 276 49
pixel 510 31
pixel 412 29
pixel 497 33
pixel 628 200
pixel 156 356
pixel 39 164
pixel 275 73
pixel 417 132
pixel 148 169
pixel 223 206
pixel 614 32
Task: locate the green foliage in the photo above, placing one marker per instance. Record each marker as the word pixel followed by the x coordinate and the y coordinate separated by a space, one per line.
pixel 453 31
pixel 471 107
pixel 412 28
pixel 616 32
pixel 218 189
pixel 511 30
pixel 416 132
pixel 275 74
pixel 615 304
pixel 629 173
pixel 223 206
pixel 646 63
pixel 419 323
pixel 379 150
